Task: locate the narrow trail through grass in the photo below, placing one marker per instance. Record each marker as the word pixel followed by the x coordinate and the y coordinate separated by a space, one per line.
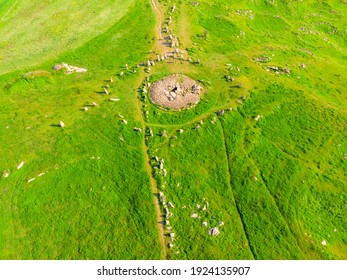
pixel 160 19
pixel 233 193
pixel 160 222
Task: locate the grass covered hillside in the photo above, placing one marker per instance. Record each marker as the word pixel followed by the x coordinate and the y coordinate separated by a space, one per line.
pixel 91 168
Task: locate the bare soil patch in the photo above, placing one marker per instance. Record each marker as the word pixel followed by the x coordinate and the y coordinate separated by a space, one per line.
pixel 175 92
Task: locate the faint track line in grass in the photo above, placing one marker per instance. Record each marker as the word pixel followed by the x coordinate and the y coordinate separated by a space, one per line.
pixel 247 154
pixel 279 211
pixel 232 192
pixel 274 200
pixel 202 116
pixel 15 215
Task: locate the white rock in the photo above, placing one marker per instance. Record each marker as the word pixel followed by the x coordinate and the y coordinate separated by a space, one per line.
pixel 194 215
pixel 214 231
pixel 257 118
pixel 170 205
pixel 32 179
pixel 114 99
pixel 324 243
pixel 204 224
pixel 20 165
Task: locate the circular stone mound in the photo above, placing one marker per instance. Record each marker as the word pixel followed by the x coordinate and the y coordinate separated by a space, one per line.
pixel 175 92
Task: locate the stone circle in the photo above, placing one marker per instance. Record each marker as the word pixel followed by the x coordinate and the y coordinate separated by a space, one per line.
pixel 175 92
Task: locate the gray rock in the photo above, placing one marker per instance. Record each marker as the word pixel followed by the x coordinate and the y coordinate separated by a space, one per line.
pixel 214 231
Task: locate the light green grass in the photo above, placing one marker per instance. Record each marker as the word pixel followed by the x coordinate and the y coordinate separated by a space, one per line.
pixel 83 207
pixel 34 31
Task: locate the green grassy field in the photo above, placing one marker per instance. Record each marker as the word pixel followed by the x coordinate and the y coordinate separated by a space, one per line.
pixel 272 169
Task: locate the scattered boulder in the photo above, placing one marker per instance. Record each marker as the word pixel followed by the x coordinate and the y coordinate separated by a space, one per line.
pixel 257 118
pixel 137 129
pixel 69 69
pixel 214 231
pixel 57 67
pixel 263 59
pixel 194 215
pixel 220 112
pixel 61 124
pixel 20 165
pixel 228 78
pixel 279 70
pixel 164 133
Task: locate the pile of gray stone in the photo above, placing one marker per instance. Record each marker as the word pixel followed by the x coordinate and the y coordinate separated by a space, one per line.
pixel 278 70
pixel 69 69
pixel 175 92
